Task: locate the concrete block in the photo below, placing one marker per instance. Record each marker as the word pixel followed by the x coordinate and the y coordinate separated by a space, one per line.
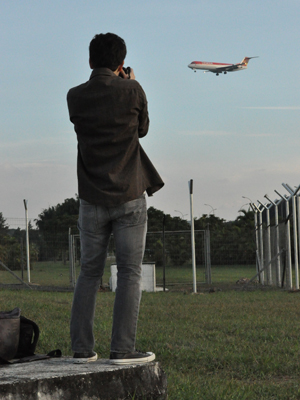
pixel 60 379
pixel 148 277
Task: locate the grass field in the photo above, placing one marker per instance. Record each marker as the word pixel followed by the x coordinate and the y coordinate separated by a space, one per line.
pixel 57 274
pixel 224 345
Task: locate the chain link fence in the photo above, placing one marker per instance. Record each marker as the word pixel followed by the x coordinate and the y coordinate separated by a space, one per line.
pixel 55 257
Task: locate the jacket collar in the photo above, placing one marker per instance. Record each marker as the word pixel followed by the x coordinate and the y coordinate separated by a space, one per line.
pixel 103 72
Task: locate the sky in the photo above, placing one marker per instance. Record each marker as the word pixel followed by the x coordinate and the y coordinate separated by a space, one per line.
pixel 235 135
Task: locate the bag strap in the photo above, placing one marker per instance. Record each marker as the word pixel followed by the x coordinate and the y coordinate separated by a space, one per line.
pixel 35 330
pixel 35 357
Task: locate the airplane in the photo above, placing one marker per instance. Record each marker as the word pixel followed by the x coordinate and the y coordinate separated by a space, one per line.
pixel 218 68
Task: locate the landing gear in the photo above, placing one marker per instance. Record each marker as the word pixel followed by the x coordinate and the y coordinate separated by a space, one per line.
pixel 225 72
pixel 217 74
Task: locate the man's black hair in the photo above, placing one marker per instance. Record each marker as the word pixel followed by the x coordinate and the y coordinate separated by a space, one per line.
pixel 107 51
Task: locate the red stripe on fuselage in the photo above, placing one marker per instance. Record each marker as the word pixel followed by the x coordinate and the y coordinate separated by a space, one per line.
pixel 207 63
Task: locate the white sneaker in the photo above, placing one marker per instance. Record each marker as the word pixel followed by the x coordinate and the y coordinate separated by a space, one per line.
pixel 83 358
pixel 137 357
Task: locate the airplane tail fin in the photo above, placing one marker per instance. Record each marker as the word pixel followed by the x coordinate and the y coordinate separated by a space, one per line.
pixel 245 61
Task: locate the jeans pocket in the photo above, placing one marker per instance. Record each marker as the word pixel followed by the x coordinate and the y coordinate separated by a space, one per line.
pixel 134 212
pixel 87 220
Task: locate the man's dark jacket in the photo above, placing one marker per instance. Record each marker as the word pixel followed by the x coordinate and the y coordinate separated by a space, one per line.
pixel 110 114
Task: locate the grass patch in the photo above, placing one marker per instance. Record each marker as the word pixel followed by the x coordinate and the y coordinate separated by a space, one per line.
pixel 50 273
pixel 222 345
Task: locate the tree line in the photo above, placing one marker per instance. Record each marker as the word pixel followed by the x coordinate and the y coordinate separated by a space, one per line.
pixel 231 242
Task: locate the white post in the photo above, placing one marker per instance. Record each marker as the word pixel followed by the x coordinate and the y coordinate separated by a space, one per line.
pixel 269 270
pixel 27 240
pixel 295 243
pixel 298 209
pixel 256 235
pixel 288 243
pixel 288 248
pixel 262 274
pixel 193 237
pixel 268 250
pixel 278 275
pixel 293 194
pixel 277 246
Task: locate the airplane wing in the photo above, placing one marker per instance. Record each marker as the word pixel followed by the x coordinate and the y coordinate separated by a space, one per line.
pixel 231 67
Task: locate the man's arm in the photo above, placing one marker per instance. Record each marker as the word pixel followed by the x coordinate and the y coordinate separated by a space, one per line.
pixel 144 121
pixel 143 116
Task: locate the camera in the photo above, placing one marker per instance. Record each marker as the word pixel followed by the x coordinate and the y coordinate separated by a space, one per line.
pixel 127 71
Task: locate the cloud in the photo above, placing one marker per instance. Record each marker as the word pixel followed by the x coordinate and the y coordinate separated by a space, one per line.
pixel 206 133
pixel 273 108
pixel 224 133
pixel 261 134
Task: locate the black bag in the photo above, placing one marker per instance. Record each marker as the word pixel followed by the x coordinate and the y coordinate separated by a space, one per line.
pixel 18 339
pixel 29 335
pixel 9 333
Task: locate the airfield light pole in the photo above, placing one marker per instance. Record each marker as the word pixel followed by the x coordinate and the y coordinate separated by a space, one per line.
pixel 193 236
pixel 241 208
pixel 293 194
pixel 275 204
pixel 182 215
pixel 27 240
pixel 247 198
pixel 288 241
pixel 212 209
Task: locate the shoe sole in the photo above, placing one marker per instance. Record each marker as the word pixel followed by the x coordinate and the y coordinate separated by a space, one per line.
pixel 122 361
pixel 85 360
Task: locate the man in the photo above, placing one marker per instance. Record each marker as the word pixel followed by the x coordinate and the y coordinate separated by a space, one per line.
pixel 110 114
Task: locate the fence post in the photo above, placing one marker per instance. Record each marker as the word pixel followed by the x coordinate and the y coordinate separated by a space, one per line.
pixel 288 242
pixel 268 250
pixel 298 209
pixel 193 237
pixel 261 246
pixel 207 257
pixel 277 247
pixel 293 194
pixel 164 254
pixel 254 209
pixel 27 241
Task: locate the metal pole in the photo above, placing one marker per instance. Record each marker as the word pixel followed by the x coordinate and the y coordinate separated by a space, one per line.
pixel 27 240
pixel 268 250
pixel 288 243
pixel 193 237
pixel 256 236
pixel 208 259
pixel 278 277
pixel 269 269
pixel 70 258
pixel 21 258
pixel 298 214
pixel 74 261
pixel 289 256
pixel 164 254
pixel 16 276
pixel 293 194
pixel 277 239
pixel 261 275
pixel 295 243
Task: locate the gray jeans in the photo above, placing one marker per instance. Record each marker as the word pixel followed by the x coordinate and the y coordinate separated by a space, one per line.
pixel 128 223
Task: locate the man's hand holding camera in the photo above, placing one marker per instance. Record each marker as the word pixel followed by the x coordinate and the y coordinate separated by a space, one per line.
pixel 127 73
